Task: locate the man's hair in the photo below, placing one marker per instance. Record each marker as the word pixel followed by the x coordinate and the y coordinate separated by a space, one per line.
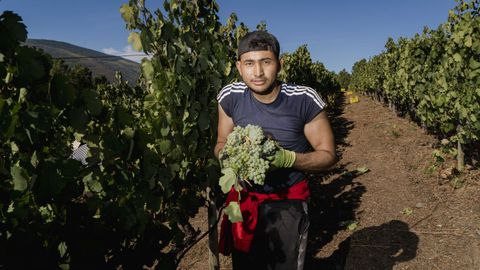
pixel 258 41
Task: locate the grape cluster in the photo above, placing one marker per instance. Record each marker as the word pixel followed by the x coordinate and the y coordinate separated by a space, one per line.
pixel 246 151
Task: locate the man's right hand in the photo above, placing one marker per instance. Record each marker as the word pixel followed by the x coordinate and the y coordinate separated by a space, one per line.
pixel 221 157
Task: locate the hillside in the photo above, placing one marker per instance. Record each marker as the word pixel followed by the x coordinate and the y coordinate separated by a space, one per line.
pixel 99 63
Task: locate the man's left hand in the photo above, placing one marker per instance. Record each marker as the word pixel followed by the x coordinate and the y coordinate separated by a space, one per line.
pixel 283 158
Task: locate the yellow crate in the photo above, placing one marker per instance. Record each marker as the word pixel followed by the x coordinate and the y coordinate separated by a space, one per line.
pixel 354 99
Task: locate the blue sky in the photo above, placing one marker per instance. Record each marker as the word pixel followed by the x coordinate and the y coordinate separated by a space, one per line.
pixel 338 33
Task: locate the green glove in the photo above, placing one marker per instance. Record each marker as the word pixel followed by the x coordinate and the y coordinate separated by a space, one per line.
pixel 283 158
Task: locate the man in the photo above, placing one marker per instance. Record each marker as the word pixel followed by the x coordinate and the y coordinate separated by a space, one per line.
pixel 294 116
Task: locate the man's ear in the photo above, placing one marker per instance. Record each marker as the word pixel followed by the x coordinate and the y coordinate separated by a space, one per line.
pixel 281 64
pixel 239 64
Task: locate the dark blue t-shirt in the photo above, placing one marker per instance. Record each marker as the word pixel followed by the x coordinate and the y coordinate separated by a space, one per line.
pixel 284 120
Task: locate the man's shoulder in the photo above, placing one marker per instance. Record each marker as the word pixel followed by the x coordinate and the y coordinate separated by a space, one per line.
pixel 233 88
pixel 301 91
pixel 291 88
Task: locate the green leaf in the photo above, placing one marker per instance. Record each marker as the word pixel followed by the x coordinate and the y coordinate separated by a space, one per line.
pixel 19 178
pixel 228 179
pixel 473 118
pixel 164 131
pixel 150 101
pixel 228 68
pixel 129 132
pixel 204 120
pixel 12 28
pixel 22 97
pixel 95 186
pixel 179 65
pixel 52 178
pixel 147 69
pixel 92 184
pixel 468 41
pixel 407 211
pixel 78 118
pixel 136 41
pixel 34 159
pixel 78 136
pixel 476 46
pixel 165 146
pixel 457 57
pixel 473 64
pixel 92 102
pixel 146 39
pixel 186 114
pixel 233 212
pixel 30 64
pixel 127 13
pixel 47 213
pixel 3 169
pixel 124 117
pixel 362 170
pixel 174 168
pixel 87 178
pixel 62 92
pixel 352 226
pixel 62 249
pixel 14 147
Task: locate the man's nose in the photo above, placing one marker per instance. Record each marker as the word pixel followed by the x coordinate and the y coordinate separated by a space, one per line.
pixel 258 70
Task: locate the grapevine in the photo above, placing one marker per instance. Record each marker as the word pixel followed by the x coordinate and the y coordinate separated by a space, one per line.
pixel 432 77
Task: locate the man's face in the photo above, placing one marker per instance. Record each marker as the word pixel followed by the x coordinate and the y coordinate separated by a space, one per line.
pixel 259 70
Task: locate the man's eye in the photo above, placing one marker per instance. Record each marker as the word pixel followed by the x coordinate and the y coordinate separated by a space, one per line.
pixel 267 62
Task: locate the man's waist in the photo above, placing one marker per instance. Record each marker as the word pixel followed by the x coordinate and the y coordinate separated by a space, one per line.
pixel 279 180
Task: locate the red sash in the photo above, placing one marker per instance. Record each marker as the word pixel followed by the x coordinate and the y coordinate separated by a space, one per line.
pixel 239 235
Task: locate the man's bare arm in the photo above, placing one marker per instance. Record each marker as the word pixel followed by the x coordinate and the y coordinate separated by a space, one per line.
pixel 320 135
pixel 225 127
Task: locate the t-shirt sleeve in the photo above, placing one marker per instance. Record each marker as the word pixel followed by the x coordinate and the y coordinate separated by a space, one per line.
pixel 224 98
pixel 313 105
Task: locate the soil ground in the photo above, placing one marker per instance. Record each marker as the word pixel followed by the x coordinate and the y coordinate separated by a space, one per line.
pixel 408 211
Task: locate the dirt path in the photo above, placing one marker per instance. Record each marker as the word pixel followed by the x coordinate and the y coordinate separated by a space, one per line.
pixel 400 214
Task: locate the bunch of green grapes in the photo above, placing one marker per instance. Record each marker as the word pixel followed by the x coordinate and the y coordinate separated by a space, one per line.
pixel 246 151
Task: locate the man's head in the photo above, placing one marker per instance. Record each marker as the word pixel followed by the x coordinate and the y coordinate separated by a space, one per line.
pixel 258 61
pixel 258 41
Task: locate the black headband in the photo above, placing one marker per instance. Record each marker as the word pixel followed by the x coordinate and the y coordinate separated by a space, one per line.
pixel 258 41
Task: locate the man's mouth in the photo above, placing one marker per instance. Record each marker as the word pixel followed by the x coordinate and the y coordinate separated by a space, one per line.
pixel 258 82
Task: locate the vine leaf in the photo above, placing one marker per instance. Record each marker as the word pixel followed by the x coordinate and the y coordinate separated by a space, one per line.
pixel 148 69
pixel 227 180
pixel 127 13
pixel 233 212
pixel 19 179
pixel 134 38
pixel 13 28
pixel 204 120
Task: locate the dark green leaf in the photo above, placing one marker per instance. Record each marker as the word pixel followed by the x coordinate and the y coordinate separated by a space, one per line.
pixel 19 177
pixel 204 120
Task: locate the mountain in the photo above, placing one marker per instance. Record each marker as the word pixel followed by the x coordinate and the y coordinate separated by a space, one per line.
pixel 99 63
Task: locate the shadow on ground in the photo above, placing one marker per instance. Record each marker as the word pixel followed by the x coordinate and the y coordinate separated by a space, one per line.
pixel 372 248
pixel 334 203
pixel 333 206
pixel 341 126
